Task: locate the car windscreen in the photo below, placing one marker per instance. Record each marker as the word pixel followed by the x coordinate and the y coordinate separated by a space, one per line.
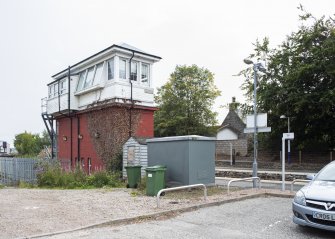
pixel 327 173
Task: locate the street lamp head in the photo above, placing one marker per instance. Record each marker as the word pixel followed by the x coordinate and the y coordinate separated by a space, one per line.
pixel 283 117
pixel 248 61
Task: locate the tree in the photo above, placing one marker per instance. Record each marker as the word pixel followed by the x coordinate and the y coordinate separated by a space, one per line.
pixel 44 140
pixel 185 103
pixel 29 144
pixel 300 83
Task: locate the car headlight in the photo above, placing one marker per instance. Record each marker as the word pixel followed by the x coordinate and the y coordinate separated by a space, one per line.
pixel 300 198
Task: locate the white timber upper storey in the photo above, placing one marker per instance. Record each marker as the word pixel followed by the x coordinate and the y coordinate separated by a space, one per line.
pixel 104 76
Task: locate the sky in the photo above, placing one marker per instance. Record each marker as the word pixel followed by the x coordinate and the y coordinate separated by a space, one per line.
pixel 42 37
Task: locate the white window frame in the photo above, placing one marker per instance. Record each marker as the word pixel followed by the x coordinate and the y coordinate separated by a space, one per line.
pixel 89 81
pixel 83 80
pixel 51 87
pixel 62 87
pixel 83 83
pixel 55 89
pixel 145 81
pixel 125 70
pixel 113 69
pixel 97 77
pixel 136 72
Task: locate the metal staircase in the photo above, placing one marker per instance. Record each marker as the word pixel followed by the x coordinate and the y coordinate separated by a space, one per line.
pixel 49 124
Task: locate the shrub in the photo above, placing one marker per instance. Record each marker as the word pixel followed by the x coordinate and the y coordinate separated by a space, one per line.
pixel 115 164
pixel 54 176
pixel 103 178
pixel 23 184
pixel 98 179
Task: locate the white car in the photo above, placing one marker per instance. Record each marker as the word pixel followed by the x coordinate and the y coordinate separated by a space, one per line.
pixel 314 204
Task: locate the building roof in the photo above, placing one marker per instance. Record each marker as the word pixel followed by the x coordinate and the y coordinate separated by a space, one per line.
pixel 236 131
pixel 122 46
pixel 234 123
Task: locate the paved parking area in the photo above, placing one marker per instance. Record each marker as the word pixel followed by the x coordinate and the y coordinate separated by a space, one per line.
pixel 269 217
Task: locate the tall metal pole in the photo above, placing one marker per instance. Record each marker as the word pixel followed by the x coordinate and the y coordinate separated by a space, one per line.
pixel 288 142
pixel 283 165
pixel 254 165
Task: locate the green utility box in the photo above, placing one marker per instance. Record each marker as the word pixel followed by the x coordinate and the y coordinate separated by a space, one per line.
pixel 190 159
pixel 155 179
pixel 133 175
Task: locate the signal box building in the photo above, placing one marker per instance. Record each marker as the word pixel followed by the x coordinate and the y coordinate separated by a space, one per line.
pixel 95 105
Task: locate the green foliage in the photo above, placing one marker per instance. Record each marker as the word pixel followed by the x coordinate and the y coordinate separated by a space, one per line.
pixel 55 177
pixel 103 178
pixel 45 139
pixel 23 184
pixel 1 186
pixel 28 144
pixel 115 164
pixel 185 103
pixel 143 184
pixel 299 83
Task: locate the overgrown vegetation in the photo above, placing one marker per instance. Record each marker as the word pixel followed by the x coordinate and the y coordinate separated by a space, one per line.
pixel 55 177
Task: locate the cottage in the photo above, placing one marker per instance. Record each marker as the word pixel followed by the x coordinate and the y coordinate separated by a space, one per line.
pixel 95 105
pixel 230 134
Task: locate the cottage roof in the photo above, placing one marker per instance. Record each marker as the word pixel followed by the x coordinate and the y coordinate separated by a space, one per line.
pixel 236 131
pixel 233 121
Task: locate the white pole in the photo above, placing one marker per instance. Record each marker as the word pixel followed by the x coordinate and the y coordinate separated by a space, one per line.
pixel 283 165
pixel 288 142
pixel 254 165
pixel 231 154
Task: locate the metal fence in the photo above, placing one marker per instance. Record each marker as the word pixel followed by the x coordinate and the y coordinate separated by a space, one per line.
pixel 14 170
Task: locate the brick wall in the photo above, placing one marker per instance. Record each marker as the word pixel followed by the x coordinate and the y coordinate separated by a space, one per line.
pixel 102 135
pixel 223 147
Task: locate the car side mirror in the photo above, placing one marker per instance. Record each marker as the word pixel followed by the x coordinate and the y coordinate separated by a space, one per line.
pixel 310 176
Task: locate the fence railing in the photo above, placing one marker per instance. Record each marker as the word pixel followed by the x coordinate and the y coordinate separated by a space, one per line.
pixel 300 181
pixel 14 170
pixel 181 188
pixel 243 179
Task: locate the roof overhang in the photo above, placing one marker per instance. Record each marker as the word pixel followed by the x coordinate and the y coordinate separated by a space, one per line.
pixel 102 54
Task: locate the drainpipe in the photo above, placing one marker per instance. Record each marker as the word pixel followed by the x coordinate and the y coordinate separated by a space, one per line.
pixel 69 114
pixel 71 146
pixel 68 90
pixel 78 140
pixel 131 95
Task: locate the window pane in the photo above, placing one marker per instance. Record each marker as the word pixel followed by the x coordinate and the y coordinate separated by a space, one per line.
pixel 81 80
pixel 98 72
pixel 122 69
pixel 133 72
pixel 55 89
pixel 51 91
pixel 111 69
pixel 89 77
pixel 145 73
pixel 63 86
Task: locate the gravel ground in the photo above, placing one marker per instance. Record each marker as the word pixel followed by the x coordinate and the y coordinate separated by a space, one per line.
pixel 27 212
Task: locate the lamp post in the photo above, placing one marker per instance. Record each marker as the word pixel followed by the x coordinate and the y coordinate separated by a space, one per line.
pixel 288 141
pixel 257 67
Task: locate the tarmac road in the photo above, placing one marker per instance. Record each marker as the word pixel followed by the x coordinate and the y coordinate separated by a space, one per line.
pixel 269 217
